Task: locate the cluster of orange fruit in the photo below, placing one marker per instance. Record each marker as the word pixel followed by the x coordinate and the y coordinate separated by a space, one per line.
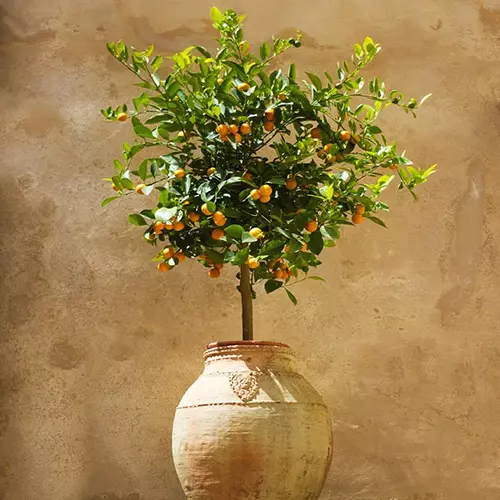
pixel 280 270
pixel 225 130
pixel 169 253
pixel 269 113
pixel 358 218
pixel 263 194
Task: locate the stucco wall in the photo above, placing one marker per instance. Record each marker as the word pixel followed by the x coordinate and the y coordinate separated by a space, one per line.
pixel 97 347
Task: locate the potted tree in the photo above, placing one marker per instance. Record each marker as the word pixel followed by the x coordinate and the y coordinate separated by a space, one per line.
pixel 247 167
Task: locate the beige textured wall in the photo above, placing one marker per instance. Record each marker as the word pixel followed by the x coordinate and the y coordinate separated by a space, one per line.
pixel 96 347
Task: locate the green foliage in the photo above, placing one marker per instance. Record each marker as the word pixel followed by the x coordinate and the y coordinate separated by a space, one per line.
pixel 218 127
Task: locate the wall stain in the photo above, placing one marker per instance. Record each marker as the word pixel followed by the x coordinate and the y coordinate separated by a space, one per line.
pixel 66 356
pixel 467 246
pixel 490 19
pixel 114 496
pixel 14 30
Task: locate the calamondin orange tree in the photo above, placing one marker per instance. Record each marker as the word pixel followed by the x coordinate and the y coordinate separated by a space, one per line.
pixel 240 165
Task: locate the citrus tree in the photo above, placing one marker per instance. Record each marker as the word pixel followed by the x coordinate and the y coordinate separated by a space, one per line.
pixel 240 165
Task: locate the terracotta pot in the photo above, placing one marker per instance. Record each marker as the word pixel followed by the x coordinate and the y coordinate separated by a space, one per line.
pixel 251 428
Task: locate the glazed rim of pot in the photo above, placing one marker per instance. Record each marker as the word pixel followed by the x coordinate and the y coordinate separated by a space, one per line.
pixel 230 343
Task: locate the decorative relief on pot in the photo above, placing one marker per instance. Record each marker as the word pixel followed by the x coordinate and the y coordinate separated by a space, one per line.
pixel 245 385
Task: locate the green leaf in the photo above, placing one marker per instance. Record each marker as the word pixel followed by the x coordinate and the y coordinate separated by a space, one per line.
pixel 291 296
pixel 315 243
pixel 165 214
pixel 109 200
pixel 216 14
pixel 265 51
pixel 241 257
pixel 374 130
pixel 212 207
pixel 137 220
pixel 330 232
pixel 316 278
pixel 292 72
pixel 272 285
pixel 235 231
pixel 140 129
pixel 247 238
pixel 376 220
pixel 143 170
pixel 315 80
pixel 215 257
pixel 128 184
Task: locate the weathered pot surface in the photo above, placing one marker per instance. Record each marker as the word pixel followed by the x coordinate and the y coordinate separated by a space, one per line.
pixel 251 427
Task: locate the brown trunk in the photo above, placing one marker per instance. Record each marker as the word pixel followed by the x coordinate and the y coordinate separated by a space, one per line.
pixel 246 302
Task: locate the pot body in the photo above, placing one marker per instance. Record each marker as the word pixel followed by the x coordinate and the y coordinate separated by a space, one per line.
pixel 251 428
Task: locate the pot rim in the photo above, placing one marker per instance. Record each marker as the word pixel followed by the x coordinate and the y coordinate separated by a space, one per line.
pixel 230 343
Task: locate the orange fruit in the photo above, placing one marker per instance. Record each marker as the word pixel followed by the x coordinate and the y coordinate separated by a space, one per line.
pixel 218 266
pixel 304 248
pixel 214 273
pixel 169 226
pixel 283 266
pixel 265 190
pixel 321 153
pixel 265 199
pixel 115 187
pixel 211 170
pixel 224 138
pixel 315 133
pixel 121 117
pixel 311 226
pixel 255 194
pixel 257 233
pixel 243 87
pixel 268 126
pixel 358 218
pixel 139 188
pixel 220 81
pixel 355 138
pixel 344 135
pixel 217 234
pixel 163 267
pixel 360 209
pixel 282 97
pixel 193 216
pixel 245 128
pixel 237 138
pixel 222 130
pixel 180 173
pixel 158 227
pixel 248 176
pixel 339 158
pixel 252 262
pixel 327 148
pixel 278 274
pixel 168 252
pixel 180 256
pixel 291 183
pixel 219 218
pixel 178 226
pixel 233 129
pixel 393 167
pixel 205 210
pixel 269 113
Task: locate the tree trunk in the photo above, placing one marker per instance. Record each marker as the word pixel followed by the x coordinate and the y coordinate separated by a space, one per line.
pixel 246 302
